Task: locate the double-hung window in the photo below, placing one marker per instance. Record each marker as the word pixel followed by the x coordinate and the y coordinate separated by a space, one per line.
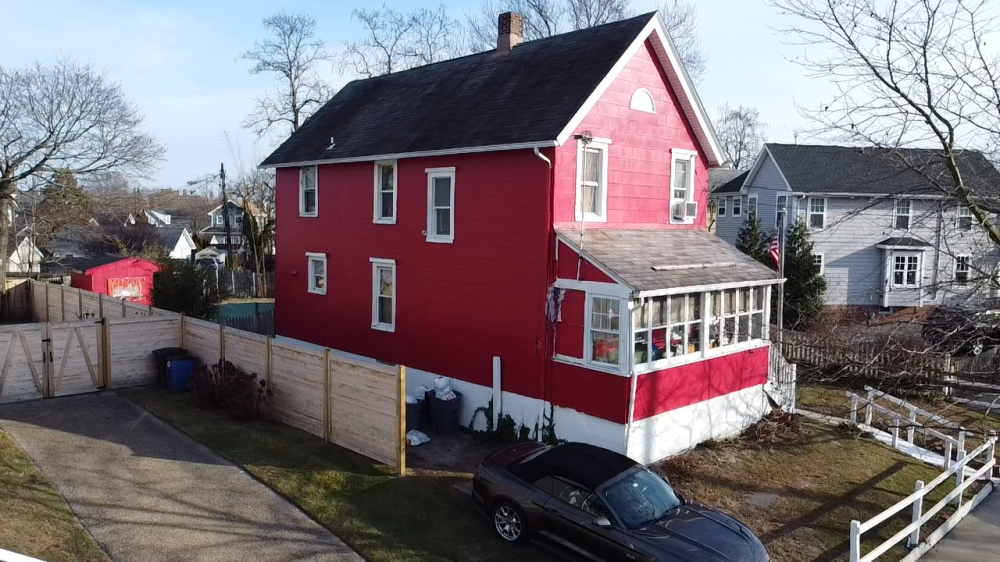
pixel 964 218
pixel 962 267
pixel 308 201
pixel 592 181
pixel 317 273
pixel 218 219
pixel 383 294
pixel 605 330
pixel 385 192
pixel 682 173
pixel 780 208
pixel 901 214
pixel 752 205
pixel 906 270
pixel 737 205
pixel 818 260
pixel 723 206
pixel 817 212
pixel 441 205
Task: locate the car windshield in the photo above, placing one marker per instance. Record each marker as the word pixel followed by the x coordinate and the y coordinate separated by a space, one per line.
pixel 640 498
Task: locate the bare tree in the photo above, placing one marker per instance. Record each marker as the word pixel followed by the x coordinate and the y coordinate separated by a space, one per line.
pixel 65 117
pixel 394 41
pixel 254 188
pixel 545 18
pixel 741 133
pixel 909 73
pixel 290 52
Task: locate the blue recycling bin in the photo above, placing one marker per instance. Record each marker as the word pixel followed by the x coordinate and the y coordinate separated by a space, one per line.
pixel 179 369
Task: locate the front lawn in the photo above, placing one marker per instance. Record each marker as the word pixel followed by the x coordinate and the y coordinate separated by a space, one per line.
pixel 384 518
pixel 34 519
pixel 800 494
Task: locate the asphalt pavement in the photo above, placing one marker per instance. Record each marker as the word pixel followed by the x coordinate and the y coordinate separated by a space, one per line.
pixel 148 492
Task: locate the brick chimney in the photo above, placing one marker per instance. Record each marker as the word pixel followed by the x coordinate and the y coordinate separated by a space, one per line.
pixel 510 31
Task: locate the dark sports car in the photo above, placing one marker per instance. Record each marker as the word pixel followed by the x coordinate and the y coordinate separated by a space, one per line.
pixel 604 506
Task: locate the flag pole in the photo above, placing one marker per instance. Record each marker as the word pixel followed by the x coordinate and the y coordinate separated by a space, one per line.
pixel 781 270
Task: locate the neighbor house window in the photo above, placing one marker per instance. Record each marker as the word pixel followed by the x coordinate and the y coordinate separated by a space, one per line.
pixel 780 208
pixel 218 219
pixel 317 273
pixel 817 213
pixel 592 181
pixel 723 206
pixel 818 260
pixel 902 214
pixel 682 183
pixel 964 218
pixel 905 270
pixel 605 318
pixel 383 294
pixel 752 205
pixel 737 205
pixel 441 205
pixel 385 192
pixel 962 269
pixel 307 191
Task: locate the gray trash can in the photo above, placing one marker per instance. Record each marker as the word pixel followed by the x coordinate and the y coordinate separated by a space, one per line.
pixel 414 415
pixel 444 413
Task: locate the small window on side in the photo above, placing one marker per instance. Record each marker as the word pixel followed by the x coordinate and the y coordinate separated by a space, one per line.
pixel 308 192
pixel 385 192
pixel 317 273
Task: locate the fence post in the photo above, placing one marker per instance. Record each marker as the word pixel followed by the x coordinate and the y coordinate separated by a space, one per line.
pixel 100 306
pixel 401 403
pixel 960 477
pixel 182 335
pixel 895 431
pixel 961 441
pixel 855 540
pixel 327 414
pixel 991 451
pixel 79 304
pixel 870 409
pixel 918 509
pixel 268 366
pixel 62 302
pixel 222 344
pixel 106 337
pixel 947 455
pixel 913 424
pixel 46 302
pixel 854 409
pixel 124 309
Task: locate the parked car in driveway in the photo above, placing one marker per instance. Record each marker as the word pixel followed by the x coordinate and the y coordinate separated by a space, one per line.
pixel 603 506
pixel 960 331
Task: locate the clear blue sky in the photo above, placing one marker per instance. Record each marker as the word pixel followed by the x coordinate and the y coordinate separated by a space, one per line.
pixel 177 60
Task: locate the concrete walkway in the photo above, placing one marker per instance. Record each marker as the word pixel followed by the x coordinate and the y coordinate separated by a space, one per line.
pixel 148 492
pixel 976 538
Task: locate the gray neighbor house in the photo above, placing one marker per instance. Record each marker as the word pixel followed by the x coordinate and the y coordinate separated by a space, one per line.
pixel 886 234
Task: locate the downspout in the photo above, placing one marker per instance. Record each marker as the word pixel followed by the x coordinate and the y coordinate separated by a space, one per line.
pixel 549 282
pixel 633 382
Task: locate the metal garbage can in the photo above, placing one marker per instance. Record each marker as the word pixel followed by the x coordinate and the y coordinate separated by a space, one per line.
pixel 444 413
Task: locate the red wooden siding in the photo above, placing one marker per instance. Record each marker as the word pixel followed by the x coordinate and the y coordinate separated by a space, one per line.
pixel 639 157
pixel 598 394
pixel 457 305
pixel 570 331
pixel 681 386
pixel 130 271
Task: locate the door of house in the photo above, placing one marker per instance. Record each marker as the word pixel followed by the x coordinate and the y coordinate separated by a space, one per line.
pixel 23 372
pixel 74 362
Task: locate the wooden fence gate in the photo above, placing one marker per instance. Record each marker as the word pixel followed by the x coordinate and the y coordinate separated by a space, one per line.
pixel 49 359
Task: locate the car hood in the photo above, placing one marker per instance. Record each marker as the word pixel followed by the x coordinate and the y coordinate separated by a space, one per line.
pixel 696 532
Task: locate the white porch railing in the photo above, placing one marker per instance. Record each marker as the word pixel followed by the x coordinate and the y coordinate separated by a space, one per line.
pixel 782 375
pixel 919 517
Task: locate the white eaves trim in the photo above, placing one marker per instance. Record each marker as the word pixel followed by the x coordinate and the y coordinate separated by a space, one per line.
pixel 419 154
pixel 690 103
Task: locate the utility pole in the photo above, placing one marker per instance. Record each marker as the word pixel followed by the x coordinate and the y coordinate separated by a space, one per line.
pixel 225 217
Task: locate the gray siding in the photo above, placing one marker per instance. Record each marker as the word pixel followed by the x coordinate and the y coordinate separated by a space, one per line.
pixel 765 186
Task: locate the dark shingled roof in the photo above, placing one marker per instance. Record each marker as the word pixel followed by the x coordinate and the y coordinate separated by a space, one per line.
pixel 734 183
pixel 905 241
pixel 683 258
pixel 525 96
pixel 584 464
pixel 876 171
pixel 86 265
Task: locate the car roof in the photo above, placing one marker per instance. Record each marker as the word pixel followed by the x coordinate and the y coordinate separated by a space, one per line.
pixel 587 465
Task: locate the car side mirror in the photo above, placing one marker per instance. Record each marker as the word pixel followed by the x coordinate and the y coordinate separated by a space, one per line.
pixel 601 522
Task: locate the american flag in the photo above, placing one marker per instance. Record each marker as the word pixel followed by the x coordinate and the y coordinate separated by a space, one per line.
pixel 776 251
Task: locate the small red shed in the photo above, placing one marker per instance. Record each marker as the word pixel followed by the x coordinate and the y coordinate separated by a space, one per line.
pixel 121 278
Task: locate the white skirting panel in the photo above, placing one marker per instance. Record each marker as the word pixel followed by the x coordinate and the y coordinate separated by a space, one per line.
pixel 672 432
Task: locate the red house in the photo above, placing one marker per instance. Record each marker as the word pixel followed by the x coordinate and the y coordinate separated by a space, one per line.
pixel 122 278
pixel 530 222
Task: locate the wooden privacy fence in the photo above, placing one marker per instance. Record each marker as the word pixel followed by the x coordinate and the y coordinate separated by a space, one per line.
pixel 353 402
pixel 864 358
pixel 258 323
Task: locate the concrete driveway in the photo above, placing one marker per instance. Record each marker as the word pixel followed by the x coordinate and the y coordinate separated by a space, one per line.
pixel 148 492
pixel 976 538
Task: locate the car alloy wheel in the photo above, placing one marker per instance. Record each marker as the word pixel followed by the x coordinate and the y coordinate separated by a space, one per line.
pixel 508 522
pixel 977 348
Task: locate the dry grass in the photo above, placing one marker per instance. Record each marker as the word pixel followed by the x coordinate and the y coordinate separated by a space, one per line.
pixel 34 519
pixel 820 480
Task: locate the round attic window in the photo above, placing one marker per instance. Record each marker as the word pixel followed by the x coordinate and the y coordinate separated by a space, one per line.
pixel 642 100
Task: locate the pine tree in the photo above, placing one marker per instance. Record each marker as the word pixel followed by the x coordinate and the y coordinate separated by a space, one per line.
pixel 805 288
pixel 753 241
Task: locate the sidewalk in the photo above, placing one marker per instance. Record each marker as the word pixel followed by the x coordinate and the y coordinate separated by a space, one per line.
pixel 147 492
pixel 976 538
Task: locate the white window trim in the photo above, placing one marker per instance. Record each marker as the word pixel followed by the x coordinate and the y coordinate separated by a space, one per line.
pixel 968 272
pixel 920 270
pixel 376 264
pixel 692 156
pixel 310 258
pixel 896 214
pixel 751 204
pixel 822 262
pixel 588 343
pixel 604 146
pixel 739 208
pixel 778 210
pixel 647 95
pixel 810 213
pixel 433 173
pixel 302 191
pixel 723 209
pixel 378 192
